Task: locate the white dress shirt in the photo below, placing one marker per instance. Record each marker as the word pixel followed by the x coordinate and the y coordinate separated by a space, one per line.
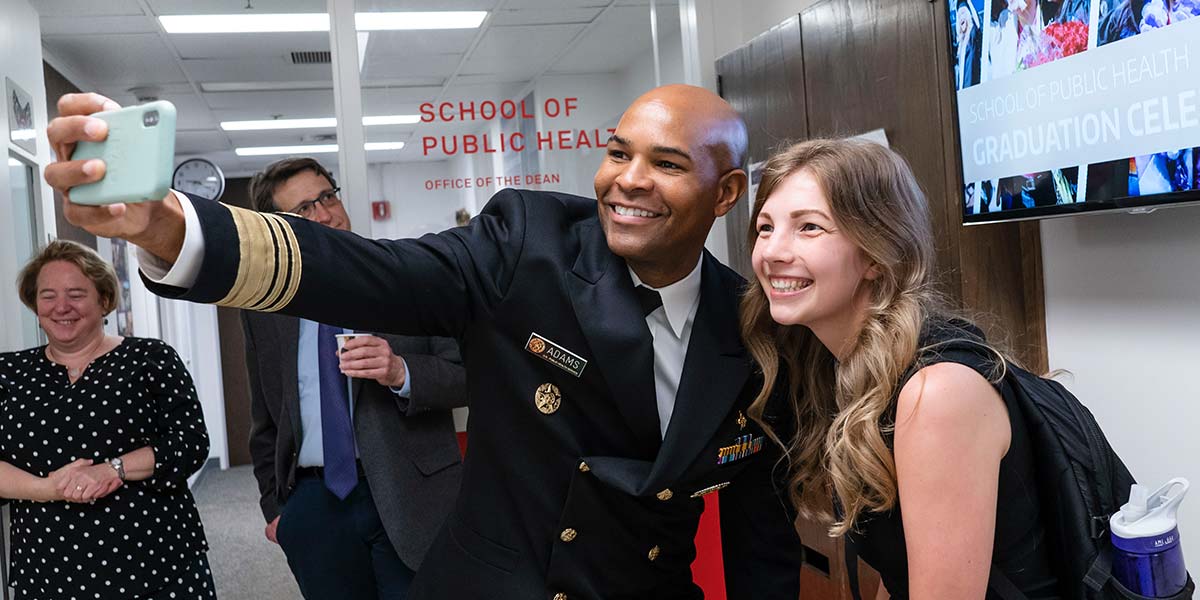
pixel 671 327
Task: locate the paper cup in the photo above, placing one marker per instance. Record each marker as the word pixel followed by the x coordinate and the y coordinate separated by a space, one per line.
pixel 342 338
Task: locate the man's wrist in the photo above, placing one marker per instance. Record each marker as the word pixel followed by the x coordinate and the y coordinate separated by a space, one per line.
pixel 164 234
pixel 399 373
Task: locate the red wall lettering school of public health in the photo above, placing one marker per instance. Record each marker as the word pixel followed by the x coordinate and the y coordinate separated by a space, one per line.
pixel 490 110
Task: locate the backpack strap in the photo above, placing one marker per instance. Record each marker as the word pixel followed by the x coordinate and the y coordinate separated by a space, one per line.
pixel 851 555
pixel 1002 586
pixel 1101 569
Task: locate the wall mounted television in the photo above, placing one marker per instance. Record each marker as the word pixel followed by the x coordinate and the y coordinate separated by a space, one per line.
pixel 1073 106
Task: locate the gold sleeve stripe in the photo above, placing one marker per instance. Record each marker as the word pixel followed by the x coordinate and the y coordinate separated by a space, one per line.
pixel 268 262
pixel 286 278
pixel 270 289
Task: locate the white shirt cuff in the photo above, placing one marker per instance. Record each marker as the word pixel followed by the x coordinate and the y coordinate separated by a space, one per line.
pixel 405 390
pixel 186 269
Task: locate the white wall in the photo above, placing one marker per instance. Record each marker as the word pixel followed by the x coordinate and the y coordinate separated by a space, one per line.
pixel 414 210
pixel 1123 315
pixel 21 61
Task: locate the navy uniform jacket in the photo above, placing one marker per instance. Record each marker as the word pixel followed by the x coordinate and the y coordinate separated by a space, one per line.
pixel 566 493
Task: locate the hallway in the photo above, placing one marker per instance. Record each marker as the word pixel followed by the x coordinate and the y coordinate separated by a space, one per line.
pixel 245 565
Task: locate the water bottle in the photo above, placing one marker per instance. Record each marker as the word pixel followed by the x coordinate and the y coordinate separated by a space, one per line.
pixel 1147 558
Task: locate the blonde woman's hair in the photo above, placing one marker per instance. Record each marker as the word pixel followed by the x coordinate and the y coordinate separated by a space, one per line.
pixel 87 260
pixel 841 413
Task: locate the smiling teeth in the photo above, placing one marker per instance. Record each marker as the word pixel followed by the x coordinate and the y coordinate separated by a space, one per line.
pixel 790 285
pixel 632 212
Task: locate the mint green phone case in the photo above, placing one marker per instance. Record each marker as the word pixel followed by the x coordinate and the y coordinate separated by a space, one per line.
pixel 139 154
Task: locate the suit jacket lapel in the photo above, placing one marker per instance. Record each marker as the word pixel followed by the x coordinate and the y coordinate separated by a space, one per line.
pixel 714 372
pixel 611 319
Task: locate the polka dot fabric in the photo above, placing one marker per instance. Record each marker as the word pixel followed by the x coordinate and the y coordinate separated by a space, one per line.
pixel 146 535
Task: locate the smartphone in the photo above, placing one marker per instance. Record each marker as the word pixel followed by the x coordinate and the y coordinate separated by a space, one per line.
pixel 139 154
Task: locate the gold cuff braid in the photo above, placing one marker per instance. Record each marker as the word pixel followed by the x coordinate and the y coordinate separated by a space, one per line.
pixel 269 262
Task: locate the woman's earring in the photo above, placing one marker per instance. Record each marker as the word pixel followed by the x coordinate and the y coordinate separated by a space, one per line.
pixel 106 320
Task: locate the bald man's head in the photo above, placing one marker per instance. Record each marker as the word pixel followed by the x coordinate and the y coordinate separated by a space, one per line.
pixel 673 166
pixel 723 130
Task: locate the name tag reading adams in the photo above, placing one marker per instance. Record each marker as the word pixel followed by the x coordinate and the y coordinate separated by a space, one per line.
pixel 555 354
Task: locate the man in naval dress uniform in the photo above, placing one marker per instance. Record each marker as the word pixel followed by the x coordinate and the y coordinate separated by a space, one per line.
pixel 606 377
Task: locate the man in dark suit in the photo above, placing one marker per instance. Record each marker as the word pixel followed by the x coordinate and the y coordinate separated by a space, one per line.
pixel 608 383
pixel 369 543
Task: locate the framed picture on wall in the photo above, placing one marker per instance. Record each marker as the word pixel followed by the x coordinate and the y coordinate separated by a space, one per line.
pixel 20 117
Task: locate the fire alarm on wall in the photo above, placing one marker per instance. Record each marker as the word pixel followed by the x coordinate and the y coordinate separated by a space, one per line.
pixel 381 210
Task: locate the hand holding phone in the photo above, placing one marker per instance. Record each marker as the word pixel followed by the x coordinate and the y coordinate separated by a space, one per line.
pixel 157 227
pixel 138 154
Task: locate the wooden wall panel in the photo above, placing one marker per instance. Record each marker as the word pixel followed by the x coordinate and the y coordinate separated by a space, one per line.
pixel 870 64
pixel 764 81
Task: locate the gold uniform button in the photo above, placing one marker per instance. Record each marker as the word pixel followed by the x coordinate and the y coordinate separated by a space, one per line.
pixel 547 398
pixel 583 467
pixel 665 495
pixel 560 596
pixel 654 552
pixel 568 535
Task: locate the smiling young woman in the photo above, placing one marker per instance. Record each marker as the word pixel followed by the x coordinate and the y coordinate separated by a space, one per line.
pixel 847 331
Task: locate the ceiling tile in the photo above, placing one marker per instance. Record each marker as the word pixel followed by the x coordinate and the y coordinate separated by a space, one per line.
pixel 275 68
pixel 550 15
pixel 519 51
pixel 200 142
pixel 395 67
pixel 241 45
pixel 118 59
pixel 419 43
pixel 75 8
pixel 620 35
pixel 97 25
pixel 234 7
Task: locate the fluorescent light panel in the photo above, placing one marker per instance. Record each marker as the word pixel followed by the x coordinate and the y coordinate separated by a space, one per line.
pixel 299 22
pixel 315 123
pixel 311 149
pixel 12 162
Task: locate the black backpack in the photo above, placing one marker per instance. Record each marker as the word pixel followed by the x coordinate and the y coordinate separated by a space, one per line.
pixel 1081 480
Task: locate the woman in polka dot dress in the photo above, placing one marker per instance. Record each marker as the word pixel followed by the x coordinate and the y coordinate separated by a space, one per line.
pixel 98 435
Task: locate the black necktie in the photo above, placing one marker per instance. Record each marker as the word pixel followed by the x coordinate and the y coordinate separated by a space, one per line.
pixel 648 299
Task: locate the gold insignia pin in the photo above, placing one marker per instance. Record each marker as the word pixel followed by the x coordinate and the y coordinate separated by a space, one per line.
pixel 665 495
pixel 536 345
pixel 547 398
pixel 741 420
pixel 654 552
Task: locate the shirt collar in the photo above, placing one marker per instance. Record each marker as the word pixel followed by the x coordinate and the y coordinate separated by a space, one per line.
pixel 679 298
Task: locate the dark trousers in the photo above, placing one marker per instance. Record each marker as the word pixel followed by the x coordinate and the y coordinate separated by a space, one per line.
pixel 338 548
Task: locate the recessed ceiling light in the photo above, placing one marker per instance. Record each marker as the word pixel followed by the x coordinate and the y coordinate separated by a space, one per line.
pixel 384 145
pixel 398 21
pixel 311 149
pixel 245 23
pixel 269 150
pixel 391 120
pixel 315 123
pixel 299 22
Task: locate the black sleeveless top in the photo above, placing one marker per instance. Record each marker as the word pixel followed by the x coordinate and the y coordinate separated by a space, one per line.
pixel 1019 550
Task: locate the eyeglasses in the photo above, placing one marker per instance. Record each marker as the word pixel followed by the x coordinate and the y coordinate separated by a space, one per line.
pixel 328 199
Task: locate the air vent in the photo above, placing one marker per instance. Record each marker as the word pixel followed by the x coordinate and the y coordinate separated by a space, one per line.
pixel 312 57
